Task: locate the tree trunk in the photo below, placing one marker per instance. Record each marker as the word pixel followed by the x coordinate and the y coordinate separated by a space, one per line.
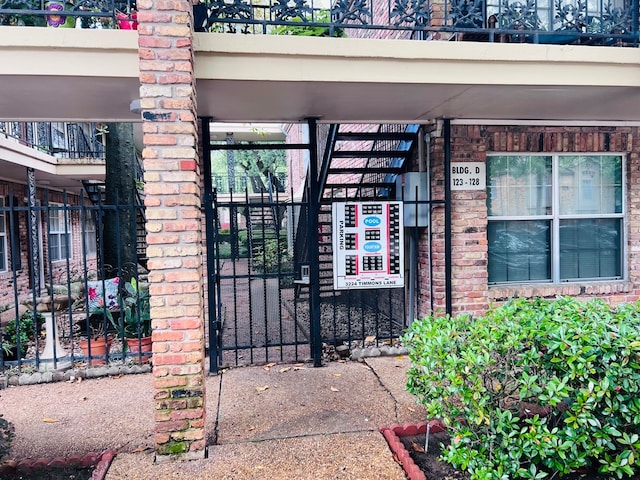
pixel 119 234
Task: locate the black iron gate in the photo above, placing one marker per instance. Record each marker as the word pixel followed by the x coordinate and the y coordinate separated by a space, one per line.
pixel 269 262
pixel 255 225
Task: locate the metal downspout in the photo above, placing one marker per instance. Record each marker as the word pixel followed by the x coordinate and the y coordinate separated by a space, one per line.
pixel 447 215
pixel 413 238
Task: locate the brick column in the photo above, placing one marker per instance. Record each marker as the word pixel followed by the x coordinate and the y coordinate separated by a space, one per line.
pixel 174 227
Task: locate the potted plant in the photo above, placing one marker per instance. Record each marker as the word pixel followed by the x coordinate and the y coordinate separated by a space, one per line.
pixel 97 341
pixel 136 318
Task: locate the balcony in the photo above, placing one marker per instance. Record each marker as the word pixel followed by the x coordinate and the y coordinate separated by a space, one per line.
pixel 62 154
pixel 579 22
pixel 71 143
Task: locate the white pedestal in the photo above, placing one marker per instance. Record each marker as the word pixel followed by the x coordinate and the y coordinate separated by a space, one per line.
pixel 46 358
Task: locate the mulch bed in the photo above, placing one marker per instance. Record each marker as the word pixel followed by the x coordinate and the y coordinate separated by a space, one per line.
pixel 428 459
pixel 407 444
pixel 92 466
pixel 56 473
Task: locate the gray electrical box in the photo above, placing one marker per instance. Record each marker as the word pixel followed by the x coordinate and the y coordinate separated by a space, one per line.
pixel 413 188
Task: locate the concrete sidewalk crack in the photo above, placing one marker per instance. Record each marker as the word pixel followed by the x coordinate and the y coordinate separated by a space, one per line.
pixel 395 400
pixel 216 429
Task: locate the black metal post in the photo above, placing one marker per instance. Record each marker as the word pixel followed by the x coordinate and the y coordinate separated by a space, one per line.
pixel 209 231
pixel 314 254
pixel 634 20
pixel 34 242
pixel 447 214
pixel 231 183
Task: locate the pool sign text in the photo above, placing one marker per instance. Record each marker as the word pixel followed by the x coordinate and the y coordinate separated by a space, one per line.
pixel 468 176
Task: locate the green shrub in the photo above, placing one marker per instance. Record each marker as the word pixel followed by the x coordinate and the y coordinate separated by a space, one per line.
pixel 534 388
pixel 224 235
pixel 272 257
pixel 25 329
pixel 318 30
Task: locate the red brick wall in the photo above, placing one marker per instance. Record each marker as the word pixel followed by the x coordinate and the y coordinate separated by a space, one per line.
pixel 470 290
pixel 174 225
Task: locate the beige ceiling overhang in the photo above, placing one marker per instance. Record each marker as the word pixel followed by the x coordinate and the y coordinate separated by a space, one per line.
pixel 70 74
pixel 50 171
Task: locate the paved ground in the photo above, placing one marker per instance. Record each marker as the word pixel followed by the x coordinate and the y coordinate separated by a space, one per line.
pixel 287 421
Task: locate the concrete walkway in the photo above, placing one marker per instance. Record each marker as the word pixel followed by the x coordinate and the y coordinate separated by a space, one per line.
pixel 285 421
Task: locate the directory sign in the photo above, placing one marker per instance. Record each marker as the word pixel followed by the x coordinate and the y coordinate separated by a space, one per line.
pixel 368 245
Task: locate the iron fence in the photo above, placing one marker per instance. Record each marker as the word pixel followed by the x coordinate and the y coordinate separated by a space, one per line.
pixel 70 284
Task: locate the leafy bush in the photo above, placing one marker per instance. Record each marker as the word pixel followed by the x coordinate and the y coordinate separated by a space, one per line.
pixel 318 30
pixel 224 235
pixel 533 388
pixel 268 258
pixel 224 243
pixel 25 328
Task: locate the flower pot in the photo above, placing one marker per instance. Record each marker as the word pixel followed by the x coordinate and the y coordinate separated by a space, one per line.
pixel 139 347
pixel 99 348
pixel 127 22
pixel 59 21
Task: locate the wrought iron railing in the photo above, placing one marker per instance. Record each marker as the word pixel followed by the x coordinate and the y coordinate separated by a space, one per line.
pixel 247 183
pixel 60 139
pixel 609 22
pixel 603 22
pixel 69 13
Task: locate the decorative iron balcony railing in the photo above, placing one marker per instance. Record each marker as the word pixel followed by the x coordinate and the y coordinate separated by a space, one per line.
pixel 69 13
pixel 590 22
pixel 605 22
pixel 60 139
pixel 241 184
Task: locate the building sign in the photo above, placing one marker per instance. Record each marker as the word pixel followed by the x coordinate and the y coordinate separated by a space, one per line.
pixel 468 176
pixel 368 245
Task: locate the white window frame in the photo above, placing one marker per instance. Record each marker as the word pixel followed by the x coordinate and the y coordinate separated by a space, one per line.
pixel 89 235
pixel 64 221
pixel 4 258
pixel 556 218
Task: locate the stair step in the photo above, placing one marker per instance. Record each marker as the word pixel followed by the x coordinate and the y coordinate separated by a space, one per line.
pixel 373 136
pixel 360 186
pixel 359 170
pixel 370 154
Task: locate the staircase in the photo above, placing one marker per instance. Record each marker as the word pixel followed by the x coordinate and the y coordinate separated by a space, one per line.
pixel 361 162
pixel 263 223
pixel 96 191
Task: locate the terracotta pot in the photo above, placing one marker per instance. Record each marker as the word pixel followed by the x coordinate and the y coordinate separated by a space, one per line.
pixel 139 346
pixel 99 348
